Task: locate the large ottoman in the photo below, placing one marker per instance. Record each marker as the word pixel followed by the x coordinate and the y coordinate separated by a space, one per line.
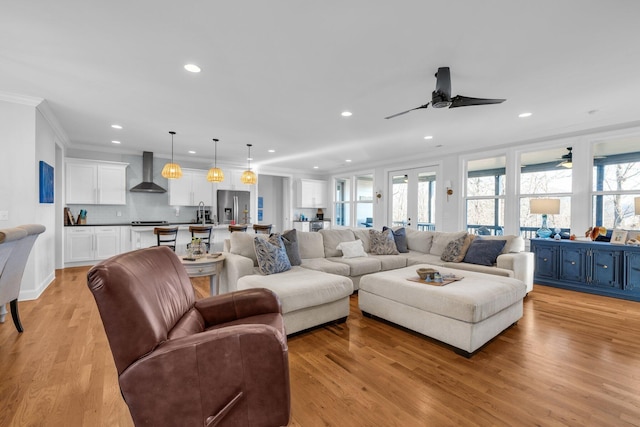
pixel 309 298
pixel 465 314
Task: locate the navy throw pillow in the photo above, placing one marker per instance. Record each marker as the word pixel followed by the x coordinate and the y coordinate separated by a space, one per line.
pixel 400 237
pixel 484 252
pixel 290 240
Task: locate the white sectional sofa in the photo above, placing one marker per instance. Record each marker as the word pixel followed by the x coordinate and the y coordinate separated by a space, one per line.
pixel 317 291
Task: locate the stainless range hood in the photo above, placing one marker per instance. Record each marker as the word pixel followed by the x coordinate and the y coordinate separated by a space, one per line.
pixel 147 185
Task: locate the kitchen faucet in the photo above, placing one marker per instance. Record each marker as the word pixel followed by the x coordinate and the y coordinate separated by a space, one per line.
pixel 201 211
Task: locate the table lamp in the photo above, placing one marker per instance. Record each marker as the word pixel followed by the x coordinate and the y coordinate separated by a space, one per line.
pixel 544 207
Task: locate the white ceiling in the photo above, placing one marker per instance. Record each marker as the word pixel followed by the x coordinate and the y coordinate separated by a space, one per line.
pixel 278 74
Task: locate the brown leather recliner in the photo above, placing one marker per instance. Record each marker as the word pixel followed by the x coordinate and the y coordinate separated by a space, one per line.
pixel 219 361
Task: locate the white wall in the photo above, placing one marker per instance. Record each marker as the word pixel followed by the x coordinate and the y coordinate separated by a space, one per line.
pixel 26 138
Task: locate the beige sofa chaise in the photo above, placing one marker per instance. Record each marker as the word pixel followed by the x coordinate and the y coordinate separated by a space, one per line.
pixel 317 291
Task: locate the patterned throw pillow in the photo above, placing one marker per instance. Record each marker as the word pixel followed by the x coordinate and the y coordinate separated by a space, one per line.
pixel 382 242
pixel 271 254
pixel 400 237
pixel 456 249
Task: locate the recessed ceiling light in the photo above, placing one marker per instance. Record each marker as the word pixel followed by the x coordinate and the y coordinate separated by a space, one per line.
pixel 348 160
pixel 272 151
pixel 115 142
pixel 192 152
pixel 523 115
pixel 192 68
pixel 428 137
pixel 316 167
pixel 116 126
pixel 347 114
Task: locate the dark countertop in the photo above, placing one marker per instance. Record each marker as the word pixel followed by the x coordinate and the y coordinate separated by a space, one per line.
pixel 124 224
pixel 313 220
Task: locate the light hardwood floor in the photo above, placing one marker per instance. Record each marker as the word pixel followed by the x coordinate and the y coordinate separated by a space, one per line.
pixel 573 359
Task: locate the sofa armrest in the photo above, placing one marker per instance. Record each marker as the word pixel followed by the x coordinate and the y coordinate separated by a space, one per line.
pixel 237 305
pixel 521 263
pixel 235 267
pixel 213 375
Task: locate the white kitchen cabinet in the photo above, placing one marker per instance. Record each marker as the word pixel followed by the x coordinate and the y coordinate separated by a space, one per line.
pixel 87 244
pixel 191 189
pixel 311 193
pixel 90 182
pixel 301 225
pixel 232 180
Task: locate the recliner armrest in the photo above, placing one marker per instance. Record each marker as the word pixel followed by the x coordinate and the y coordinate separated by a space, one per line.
pixel 239 304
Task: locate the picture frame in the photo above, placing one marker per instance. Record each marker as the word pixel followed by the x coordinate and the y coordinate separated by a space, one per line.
pixel 618 237
pixel 46 182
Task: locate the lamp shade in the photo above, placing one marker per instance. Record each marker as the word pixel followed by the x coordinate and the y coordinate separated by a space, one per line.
pixel 172 171
pixel 248 177
pixel 215 175
pixel 637 207
pixel 544 206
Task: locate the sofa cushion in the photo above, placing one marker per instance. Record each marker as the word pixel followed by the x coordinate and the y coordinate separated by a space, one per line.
pixel 301 288
pixel 332 238
pixel 242 244
pixel 390 262
pixel 420 258
pixel 363 234
pixel 484 251
pixel 512 243
pixel 310 245
pixel 352 249
pixel 419 240
pixel 360 266
pixel 271 254
pixel 442 239
pixel 323 264
pixel 400 237
pixel 382 242
pixel 290 240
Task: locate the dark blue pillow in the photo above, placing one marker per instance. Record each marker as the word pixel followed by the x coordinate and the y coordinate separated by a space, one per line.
pixel 400 237
pixel 484 252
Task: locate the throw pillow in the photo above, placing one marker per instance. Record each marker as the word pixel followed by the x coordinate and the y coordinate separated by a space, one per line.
pixel 271 254
pixel 382 242
pixel 400 237
pixel 290 240
pixel 353 249
pixel 442 239
pixel 484 252
pixel 455 250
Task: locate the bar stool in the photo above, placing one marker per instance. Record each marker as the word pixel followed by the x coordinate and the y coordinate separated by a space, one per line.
pixel 202 232
pixel 166 236
pixel 240 227
pixel 262 228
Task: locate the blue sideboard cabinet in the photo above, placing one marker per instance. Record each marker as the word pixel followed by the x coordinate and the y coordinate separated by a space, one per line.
pixel 594 267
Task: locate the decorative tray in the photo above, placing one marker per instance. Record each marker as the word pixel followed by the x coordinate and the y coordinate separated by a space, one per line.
pixel 445 280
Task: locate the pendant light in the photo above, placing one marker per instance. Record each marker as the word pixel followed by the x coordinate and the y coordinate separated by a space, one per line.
pixel 215 173
pixel 172 170
pixel 248 177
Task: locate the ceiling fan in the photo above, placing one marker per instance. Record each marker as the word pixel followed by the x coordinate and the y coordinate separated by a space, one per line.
pixel 567 159
pixel 441 97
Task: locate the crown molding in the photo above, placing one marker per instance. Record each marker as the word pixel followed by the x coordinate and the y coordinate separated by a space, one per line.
pixel 46 111
pixel 15 98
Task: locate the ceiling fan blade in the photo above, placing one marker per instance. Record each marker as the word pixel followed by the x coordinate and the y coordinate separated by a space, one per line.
pixel 408 111
pixel 443 82
pixel 465 101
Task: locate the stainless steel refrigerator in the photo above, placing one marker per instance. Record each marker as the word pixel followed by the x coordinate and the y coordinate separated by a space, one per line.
pixel 234 206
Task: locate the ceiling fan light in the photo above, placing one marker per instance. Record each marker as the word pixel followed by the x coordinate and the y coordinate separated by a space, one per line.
pixel 567 165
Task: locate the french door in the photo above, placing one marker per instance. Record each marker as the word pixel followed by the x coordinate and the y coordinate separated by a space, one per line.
pixel 413 198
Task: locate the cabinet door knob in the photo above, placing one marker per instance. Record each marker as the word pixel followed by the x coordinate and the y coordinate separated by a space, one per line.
pixel 544 259
pixel 605 266
pixel 573 263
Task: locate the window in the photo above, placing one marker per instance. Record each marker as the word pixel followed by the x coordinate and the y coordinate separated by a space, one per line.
pixel 543 175
pixel 616 183
pixel 485 196
pixel 354 199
